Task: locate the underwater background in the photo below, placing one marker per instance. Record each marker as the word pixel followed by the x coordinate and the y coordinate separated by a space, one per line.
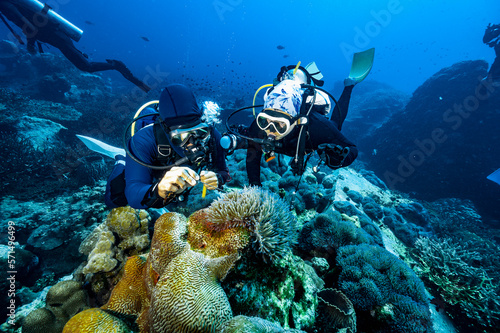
pixel 404 240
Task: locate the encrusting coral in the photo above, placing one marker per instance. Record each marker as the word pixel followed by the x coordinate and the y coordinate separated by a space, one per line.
pixel 104 250
pixel 64 300
pixel 244 324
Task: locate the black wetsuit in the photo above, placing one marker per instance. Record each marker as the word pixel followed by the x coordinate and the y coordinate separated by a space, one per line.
pixel 320 130
pixel 36 28
pixel 492 39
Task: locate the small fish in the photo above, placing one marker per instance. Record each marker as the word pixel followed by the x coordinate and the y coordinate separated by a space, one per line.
pixel 145 38
pixel 280 47
pixel 286 56
pixel 89 22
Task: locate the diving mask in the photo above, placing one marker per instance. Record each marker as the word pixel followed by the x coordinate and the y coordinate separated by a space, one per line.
pixel 200 133
pixel 275 121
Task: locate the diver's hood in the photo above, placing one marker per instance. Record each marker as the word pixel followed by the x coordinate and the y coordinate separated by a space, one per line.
pixel 178 106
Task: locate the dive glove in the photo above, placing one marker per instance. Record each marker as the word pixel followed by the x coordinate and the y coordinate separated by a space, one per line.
pixel 333 155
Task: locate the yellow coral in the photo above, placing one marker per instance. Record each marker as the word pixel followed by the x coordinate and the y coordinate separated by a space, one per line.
pixel 131 225
pixel 168 240
pixel 129 295
pixel 101 258
pixel 95 320
pixel 174 290
pixel 104 251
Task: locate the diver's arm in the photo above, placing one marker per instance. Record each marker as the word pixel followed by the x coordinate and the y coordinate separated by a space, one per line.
pixel 140 190
pixel 254 155
pixel 322 131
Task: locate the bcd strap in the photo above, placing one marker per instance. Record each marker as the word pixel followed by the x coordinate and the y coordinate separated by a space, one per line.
pixel 163 149
pixel 298 162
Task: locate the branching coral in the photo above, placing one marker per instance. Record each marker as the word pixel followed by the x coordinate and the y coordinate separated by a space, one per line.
pixel 450 266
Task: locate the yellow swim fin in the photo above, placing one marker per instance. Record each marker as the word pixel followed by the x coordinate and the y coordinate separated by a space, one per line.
pixel 362 63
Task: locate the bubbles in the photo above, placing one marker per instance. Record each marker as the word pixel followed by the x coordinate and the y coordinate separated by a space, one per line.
pixel 211 112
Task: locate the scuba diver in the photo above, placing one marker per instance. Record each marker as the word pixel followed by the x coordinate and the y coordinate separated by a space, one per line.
pixel 492 39
pixel 40 24
pixel 298 119
pixel 172 151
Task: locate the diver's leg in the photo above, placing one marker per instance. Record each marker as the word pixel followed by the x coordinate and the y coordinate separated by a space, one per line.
pixel 78 59
pixel 338 116
pixel 126 73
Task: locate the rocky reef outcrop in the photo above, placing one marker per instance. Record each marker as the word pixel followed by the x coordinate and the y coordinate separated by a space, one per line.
pixel 444 143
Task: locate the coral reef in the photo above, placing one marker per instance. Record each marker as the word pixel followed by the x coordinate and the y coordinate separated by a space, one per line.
pixel 335 312
pixel 63 301
pixel 453 270
pixel 385 292
pixel 173 281
pixel 104 250
pixel 244 324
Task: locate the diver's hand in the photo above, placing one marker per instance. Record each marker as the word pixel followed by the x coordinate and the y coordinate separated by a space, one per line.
pixel 177 180
pixel 210 179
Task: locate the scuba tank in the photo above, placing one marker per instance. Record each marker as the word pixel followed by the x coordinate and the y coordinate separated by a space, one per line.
pixel 64 25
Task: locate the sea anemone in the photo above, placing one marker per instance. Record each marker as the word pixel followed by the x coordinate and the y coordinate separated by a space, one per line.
pixel 266 215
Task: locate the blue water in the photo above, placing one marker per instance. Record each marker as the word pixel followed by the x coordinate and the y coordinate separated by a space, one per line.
pixel 237 40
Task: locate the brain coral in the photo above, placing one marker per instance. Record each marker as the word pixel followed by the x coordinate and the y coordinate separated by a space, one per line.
pixel 267 217
pixel 64 300
pixel 97 320
pixel 188 297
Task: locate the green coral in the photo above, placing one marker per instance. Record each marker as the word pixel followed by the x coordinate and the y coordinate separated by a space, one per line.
pixel 450 267
pixel 283 293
